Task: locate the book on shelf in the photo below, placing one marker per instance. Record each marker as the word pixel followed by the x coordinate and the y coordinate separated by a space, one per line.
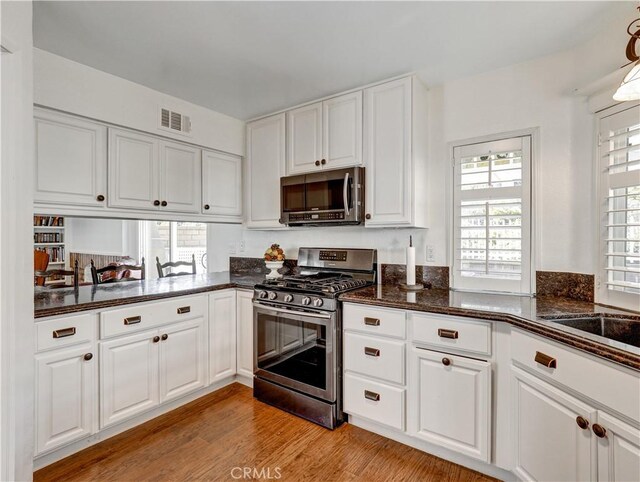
pixel 57 221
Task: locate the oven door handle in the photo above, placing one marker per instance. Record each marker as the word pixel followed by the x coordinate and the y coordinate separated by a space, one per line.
pixel 291 312
pixel 345 195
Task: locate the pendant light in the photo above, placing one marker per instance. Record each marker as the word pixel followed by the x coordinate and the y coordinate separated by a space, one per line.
pixel 630 87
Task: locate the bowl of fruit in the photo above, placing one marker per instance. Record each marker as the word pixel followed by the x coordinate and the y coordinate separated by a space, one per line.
pixel 274 260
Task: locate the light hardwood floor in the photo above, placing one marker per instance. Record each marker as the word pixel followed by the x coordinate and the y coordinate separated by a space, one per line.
pixel 215 437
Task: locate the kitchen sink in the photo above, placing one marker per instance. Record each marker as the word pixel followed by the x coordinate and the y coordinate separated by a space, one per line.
pixel 625 329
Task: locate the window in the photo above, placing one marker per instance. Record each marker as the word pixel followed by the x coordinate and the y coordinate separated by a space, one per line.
pixel 492 216
pixel 619 200
pixel 173 241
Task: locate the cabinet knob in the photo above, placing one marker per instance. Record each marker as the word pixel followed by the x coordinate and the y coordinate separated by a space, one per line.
pixel 156 203
pixel 164 337
pixel 582 422
pixel 599 430
pixel 156 339
pixel 367 216
pixel 206 206
pixel 164 203
pixel 323 162
pixel 88 356
pixel 446 361
pixel 100 197
pixel 317 163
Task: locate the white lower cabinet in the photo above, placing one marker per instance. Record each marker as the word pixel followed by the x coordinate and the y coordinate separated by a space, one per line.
pixel 375 401
pixel 222 335
pixel 128 376
pixel 137 372
pixel 618 450
pixel 245 333
pixel 451 402
pixel 66 396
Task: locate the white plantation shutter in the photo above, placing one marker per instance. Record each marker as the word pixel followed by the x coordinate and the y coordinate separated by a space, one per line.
pixel 619 194
pixel 492 216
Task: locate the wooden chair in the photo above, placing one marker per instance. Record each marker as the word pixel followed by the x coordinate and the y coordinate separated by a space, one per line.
pixel 40 263
pixel 58 272
pixel 96 273
pixel 162 267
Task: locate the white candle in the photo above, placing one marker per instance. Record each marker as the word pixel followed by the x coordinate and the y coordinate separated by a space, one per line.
pixel 411 266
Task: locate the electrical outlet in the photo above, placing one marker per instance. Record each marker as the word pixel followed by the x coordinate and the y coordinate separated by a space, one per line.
pixel 243 246
pixel 431 257
pixel 232 248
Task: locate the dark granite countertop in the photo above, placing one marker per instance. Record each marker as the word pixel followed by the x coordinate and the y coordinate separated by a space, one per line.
pixel 521 311
pixel 60 301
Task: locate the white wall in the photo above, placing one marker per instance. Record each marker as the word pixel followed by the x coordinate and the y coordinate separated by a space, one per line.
pixel 109 237
pixel 17 330
pixel 76 88
pixel 534 94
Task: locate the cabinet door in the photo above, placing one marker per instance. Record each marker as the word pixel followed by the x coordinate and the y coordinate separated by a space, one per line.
pixel 133 170
pixel 222 185
pixel 387 153
pixel 180 178
pixel 265 166
pixel 182 358
pixel 548 443
pixel 128 377
pixel 245 333
pixel 618 450
pixel 342 128
pixel 304 139
pixel 66 397
pixel 71 160
pixel 452 402
pixel 222 335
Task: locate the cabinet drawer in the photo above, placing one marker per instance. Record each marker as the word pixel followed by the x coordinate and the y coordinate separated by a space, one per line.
pixel 614 386
pixel 65 331
pixel 376 401
pixel 375 357
pixel 452 333
pixel 377 321
pixel 139 317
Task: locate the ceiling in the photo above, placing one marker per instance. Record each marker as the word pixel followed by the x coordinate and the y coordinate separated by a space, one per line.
pixel 246 59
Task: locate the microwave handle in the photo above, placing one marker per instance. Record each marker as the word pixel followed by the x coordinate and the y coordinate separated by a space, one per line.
pixel 345 195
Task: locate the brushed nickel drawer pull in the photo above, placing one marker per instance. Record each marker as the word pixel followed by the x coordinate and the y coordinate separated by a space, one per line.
pixel 444 333
pixel 132 320
pixel 371 351
pixel 371 321
pixel 372 396
pixel 64 332
pixel 183 310
pixel 546 360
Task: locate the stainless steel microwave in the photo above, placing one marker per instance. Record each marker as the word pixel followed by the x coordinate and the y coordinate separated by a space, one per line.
pixel 327 197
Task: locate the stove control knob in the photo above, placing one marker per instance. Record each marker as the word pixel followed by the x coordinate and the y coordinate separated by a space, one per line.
pixel 317 302
pixel 306 300
pixel 262 294
pixel 288 298
pixel 272 295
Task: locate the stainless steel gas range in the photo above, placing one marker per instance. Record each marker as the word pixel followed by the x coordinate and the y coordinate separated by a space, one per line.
pixel 297 326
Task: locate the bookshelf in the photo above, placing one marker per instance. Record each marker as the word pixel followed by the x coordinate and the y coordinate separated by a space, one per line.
pixel 49 236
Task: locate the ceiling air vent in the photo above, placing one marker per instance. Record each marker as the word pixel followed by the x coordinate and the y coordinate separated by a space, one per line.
pixel 174 121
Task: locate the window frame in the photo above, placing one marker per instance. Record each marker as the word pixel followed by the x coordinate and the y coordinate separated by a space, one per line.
pixel 528 280
pixel 602 294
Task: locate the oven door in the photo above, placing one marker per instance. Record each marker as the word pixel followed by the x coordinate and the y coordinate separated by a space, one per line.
pixel 296 349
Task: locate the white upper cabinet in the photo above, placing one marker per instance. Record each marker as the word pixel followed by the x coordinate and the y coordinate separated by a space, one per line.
pixel 133 170
pixel 395 153
pixel 325 135
pixel 179 178
pixel 71 160
pixel 265 166
pixel 146 173
pixel 222 186
pixel 304 139
pixel 342 127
